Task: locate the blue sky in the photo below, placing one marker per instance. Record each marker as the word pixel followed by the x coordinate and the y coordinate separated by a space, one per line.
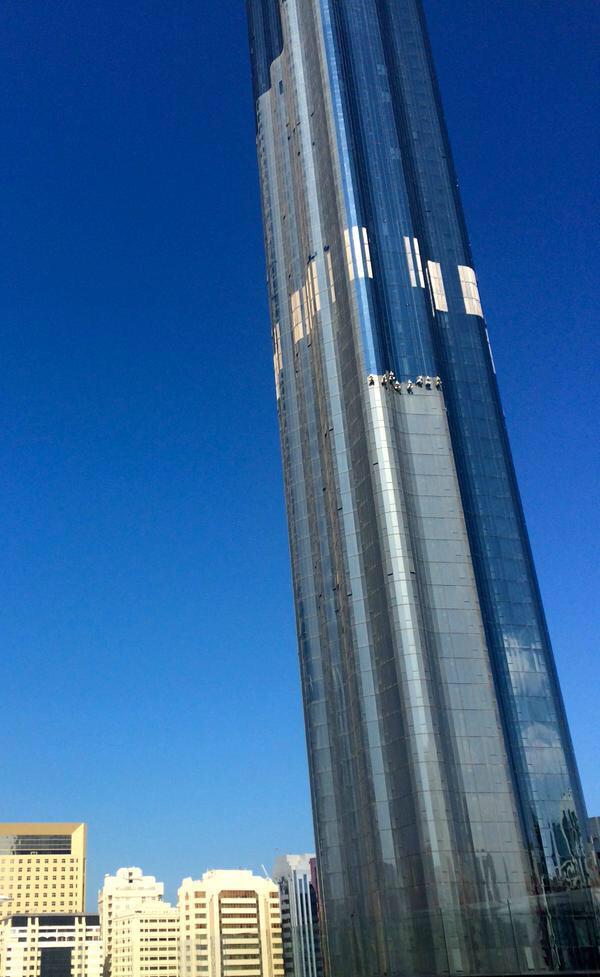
pixel 150 684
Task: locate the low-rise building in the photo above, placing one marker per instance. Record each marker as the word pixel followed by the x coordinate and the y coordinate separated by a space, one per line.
pixel 51 945
pixel 146 942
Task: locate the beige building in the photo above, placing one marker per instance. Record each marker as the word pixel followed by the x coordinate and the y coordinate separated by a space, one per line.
pixel 42 868
pixel 123 893
pixel 33 946
pixel 230 926
pixel 145 942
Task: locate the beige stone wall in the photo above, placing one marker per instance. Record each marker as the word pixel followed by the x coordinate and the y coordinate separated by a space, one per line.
pixel 230 926
pixel 123 893
pixel 39 882
pixel 146 942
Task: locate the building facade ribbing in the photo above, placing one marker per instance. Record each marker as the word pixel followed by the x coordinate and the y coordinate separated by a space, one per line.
pixel 296 877
pixel 450 823
pixel 595 835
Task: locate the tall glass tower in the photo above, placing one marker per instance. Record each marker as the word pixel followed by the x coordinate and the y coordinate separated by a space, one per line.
pixel 450 824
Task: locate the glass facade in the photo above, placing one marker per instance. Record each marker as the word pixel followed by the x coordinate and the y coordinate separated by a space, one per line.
pixel 450 824
pixel 55 962
pixel 35 844
pixel 594 824
pixel 296 877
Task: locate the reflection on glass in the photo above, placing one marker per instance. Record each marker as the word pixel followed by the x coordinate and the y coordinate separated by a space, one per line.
pixel 450 824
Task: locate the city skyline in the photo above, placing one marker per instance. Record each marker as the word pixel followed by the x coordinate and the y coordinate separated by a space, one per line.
pixel 226 922
pixel 128 635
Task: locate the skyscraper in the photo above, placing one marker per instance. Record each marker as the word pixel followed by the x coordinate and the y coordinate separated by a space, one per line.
pixel 450 823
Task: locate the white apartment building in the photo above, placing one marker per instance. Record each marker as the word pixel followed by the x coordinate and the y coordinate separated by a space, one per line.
pixel 145 942
pixel 34 946
pixel 230 926
pixel 129 889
